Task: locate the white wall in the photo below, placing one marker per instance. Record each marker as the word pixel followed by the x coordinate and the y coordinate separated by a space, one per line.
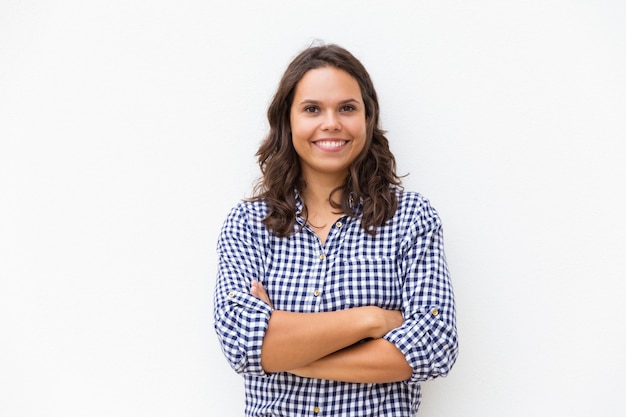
pixel 128 129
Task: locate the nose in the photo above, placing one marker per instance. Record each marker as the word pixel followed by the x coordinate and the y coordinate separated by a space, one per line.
pixel 331 122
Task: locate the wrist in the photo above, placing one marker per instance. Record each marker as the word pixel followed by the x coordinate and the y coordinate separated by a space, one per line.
pixel 374 322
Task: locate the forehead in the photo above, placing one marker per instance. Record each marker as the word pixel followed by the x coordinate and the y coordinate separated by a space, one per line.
pixel 329 82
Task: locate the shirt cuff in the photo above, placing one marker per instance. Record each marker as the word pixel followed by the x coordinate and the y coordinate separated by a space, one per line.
pixel 427 342
pixel 244 322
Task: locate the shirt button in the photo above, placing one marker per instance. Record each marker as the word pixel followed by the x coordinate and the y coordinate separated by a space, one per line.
pixel 316 293
pixel 322 256
pixel 435 312
pixel 338 224
pixel 231 294
pixel 316 410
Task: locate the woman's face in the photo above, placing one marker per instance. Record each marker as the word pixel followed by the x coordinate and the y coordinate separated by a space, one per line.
pixel 328 124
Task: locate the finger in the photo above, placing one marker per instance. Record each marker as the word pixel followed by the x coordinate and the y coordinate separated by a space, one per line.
pixel 254 289
pixel 259 291
pixel 263 295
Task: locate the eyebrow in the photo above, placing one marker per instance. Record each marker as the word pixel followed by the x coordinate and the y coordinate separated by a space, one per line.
pixel 350 100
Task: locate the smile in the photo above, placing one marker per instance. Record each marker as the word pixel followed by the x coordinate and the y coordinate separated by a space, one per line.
pixel 330 144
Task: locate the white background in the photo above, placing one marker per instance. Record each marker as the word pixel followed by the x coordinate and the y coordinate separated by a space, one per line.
pixel 128 129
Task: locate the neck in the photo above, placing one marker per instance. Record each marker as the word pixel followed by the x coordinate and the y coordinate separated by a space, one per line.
pixel 317 190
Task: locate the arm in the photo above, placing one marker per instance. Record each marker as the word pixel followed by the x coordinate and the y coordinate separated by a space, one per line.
pixel 428 336
pixel 294 340
pixel 375 361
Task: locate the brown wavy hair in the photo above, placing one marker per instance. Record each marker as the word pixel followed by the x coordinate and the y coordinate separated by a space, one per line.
pixel 372 176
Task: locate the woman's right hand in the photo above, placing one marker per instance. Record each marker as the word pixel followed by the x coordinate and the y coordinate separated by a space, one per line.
pixel 384 320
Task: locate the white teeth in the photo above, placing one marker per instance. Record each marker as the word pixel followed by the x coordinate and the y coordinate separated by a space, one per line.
pixel 331 144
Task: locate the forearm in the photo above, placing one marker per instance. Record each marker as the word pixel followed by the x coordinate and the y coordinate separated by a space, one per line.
pixel 375 361
pixel 293 340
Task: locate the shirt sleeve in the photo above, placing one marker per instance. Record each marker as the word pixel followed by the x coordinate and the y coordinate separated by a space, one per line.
pixel 428 337
pixel 240 319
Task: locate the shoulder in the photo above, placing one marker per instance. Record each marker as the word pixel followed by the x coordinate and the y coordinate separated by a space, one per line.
pixel 249 208
pixel 415 209
pixel 246 215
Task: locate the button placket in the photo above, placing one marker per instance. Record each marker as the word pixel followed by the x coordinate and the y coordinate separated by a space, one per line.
pixel 318 285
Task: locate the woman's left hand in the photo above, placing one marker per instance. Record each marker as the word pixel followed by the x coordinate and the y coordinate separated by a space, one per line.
pixel 259 292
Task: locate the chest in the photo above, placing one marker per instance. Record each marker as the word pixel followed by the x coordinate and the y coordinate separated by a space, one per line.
pixel 351 269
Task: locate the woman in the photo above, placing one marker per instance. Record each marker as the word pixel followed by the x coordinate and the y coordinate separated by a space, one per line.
pixel 333 296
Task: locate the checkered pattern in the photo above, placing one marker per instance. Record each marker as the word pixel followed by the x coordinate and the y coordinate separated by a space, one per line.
pixel 402 267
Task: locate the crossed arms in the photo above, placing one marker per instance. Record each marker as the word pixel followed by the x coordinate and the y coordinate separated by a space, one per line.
pixel 324 345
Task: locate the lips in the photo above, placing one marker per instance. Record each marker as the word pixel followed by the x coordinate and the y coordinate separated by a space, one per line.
pixel 330 144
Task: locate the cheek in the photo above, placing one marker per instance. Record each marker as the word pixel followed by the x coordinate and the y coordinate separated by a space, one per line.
pixel 298 136
pixel 301 126
pixel 359 129
pixel 363 135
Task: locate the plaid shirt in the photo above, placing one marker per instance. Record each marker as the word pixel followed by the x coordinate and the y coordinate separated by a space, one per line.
pixel 402 267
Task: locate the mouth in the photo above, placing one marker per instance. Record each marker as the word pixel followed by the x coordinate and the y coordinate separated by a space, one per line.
pixel 330 144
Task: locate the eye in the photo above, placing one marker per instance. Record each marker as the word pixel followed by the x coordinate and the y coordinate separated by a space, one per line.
pixel 311 109
pixel 347 108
